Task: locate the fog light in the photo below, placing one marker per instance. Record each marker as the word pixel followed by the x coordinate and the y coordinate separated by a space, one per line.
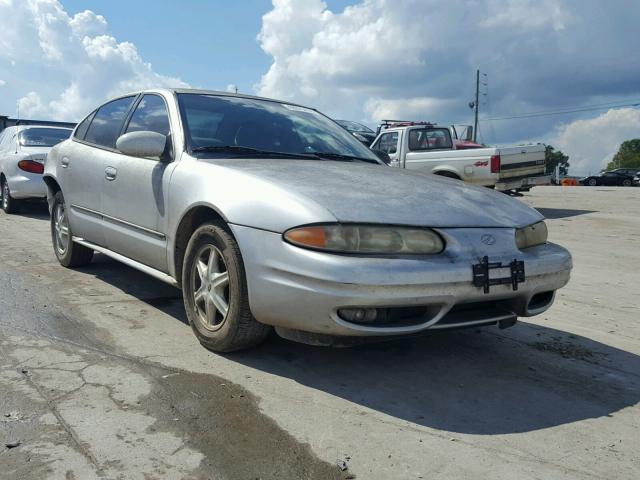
pixel 358 315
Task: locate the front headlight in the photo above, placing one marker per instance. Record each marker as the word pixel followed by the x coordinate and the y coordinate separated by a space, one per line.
pixel 370 239
pixel 532 235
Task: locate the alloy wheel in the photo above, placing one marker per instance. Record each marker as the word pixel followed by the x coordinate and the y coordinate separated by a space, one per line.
pixel 61 228
pixel 210 284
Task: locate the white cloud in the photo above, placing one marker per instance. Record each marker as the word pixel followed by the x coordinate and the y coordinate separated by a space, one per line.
pixel 592 143
pixel 2 83
pixel 417 59
pixel 405 108
pixel 61 66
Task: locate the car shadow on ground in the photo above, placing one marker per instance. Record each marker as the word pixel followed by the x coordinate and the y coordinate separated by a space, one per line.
pixel 128 280
pixel 481 381
pixel 33 209
pixel 555 213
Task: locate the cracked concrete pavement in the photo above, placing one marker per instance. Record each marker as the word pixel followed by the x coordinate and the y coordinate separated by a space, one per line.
pixel 100 377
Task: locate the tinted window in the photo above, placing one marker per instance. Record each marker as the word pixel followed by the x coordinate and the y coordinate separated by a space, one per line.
pixel 354 126
pixel 43 137
pixel 219 121
pixel 429 139
pixel 150 114
pixel 81 131
pixel 388 143
pixel 107 122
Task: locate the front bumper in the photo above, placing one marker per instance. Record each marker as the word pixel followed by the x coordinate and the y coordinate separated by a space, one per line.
pixel 303 290
pixel 522 182
pixel 27 185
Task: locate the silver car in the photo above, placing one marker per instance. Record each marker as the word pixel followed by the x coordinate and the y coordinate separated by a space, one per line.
pixel 269 214
pixel 23 150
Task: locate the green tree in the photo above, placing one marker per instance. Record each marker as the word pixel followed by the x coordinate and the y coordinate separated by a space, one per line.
pixel 554 158
pixel 628 155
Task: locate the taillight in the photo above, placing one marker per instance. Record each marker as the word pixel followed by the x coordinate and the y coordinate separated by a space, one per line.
pixel 495 163
pixel 31 166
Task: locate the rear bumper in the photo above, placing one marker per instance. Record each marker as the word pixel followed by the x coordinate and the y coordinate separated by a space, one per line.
pixel 303 290
pixel 27 185
pixel 522 182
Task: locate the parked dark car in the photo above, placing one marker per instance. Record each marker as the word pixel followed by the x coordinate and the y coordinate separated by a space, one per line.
pixel 627 171
pixel 613 178
pixel 361 132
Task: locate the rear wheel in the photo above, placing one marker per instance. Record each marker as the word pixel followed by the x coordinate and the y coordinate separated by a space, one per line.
pixel 215 292
pixel 9 204
pixel 68 253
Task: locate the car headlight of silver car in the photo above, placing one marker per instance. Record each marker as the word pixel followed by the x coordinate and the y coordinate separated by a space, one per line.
pixel 367 239
pixel 532 235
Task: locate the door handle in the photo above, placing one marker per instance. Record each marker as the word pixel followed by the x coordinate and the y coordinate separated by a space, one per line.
pixel 64 163
pixel 110 173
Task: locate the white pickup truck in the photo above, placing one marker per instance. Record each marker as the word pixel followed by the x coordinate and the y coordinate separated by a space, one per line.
pixel 429 148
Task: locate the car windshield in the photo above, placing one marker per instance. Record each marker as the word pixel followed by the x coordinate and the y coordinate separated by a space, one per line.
pixel 354 126
pixel 43 137
pixel 236 125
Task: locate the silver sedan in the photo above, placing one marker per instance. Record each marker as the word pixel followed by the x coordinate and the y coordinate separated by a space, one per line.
pixel 269 214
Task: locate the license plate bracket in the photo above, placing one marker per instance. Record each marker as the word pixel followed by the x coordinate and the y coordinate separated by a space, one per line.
pixel 481 277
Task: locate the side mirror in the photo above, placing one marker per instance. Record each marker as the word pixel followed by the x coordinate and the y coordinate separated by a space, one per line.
pixel 142 144
pixel 384 156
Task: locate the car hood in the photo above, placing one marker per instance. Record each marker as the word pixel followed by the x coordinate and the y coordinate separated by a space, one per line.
pixel 365 193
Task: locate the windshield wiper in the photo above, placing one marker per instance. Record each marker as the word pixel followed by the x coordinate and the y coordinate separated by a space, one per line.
pixel 250 151
pixel 338 156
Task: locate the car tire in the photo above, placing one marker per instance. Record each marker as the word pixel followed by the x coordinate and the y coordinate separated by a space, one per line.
pixel 592 182
pixel 68 253
pixel 626 182
pixel 215 292
pixel 9 204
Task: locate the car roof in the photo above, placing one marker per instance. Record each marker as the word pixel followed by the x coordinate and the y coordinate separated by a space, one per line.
pixel 218 93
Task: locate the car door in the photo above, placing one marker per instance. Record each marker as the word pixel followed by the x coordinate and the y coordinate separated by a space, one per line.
pixel 82 167
pixel 134 193
pixel 389 143
pixel 610 178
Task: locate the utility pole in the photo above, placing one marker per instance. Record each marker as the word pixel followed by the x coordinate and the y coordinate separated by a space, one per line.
pixel 475 107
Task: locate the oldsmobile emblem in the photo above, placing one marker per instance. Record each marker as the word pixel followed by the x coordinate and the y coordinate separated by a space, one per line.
pixel 488 239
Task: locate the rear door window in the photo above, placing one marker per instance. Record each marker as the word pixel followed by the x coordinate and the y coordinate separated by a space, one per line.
pixel 107 122
pixel 429 139
pixel 150 115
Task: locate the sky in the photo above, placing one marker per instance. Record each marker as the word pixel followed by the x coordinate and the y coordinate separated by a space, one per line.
pixel 559 66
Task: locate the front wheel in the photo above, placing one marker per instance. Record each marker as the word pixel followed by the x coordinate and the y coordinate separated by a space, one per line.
pixel 626 182
pixel 215 292
pixel 592 182
pixel 9 204
pixel 69 254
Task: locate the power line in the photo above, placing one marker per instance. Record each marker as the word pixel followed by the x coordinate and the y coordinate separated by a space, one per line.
pixel 586 108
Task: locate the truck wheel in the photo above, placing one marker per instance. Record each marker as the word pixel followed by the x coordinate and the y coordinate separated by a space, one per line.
pixel 215 292
pixel 9 204
pixel 68 253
